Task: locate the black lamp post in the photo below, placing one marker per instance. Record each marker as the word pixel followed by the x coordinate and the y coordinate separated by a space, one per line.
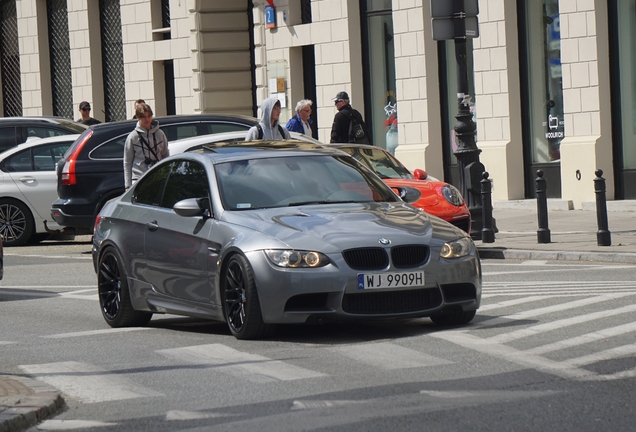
pixel 467 153
pixel 457 20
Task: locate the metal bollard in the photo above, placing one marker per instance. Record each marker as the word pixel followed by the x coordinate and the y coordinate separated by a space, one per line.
pixel 543 233
pixel 487 233
pixel 603 236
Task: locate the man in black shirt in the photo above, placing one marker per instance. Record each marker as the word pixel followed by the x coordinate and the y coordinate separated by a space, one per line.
pixel 85 110
pixel 348 126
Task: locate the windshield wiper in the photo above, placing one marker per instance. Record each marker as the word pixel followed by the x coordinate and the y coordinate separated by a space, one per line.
pixel 300 203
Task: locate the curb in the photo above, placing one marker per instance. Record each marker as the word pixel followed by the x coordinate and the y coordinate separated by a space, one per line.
pixel 29 410
pixel 520 254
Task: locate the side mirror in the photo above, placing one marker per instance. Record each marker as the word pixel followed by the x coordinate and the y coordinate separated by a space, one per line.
pixel 192 207
pixel 408 194
pixel 420 174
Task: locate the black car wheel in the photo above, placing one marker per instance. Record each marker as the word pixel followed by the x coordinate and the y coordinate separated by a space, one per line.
pixel 457 318
pixel 240 301
pixel 114 297
pixel 16 222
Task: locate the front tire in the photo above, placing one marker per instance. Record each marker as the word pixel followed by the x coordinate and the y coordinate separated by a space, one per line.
pixel 16 222
pixel 453 319
pixel 241 306
pixel 114 296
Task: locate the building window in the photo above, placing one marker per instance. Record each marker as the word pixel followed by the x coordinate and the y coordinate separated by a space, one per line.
pixel 305 11
pixel 60 53
pixel 112 60
pixel 160 17
pixel 10 60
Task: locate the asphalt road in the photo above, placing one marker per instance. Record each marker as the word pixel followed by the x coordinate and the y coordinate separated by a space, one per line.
pixel 552 348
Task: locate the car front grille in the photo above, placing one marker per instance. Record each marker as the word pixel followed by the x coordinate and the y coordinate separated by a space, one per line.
pixel 377 258
pixel 391 302
pixel 463 224
pixel 366 258
pixel 409 256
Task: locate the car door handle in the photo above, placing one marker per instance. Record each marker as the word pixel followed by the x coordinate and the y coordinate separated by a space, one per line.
pixel 152 226
pixel 27 180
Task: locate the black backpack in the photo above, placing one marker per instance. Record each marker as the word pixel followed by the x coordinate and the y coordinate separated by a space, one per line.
pixel 260 131
pixel 357 129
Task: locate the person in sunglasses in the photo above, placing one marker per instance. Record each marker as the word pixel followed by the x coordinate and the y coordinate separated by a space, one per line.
pixel 348 125
pixel 85 111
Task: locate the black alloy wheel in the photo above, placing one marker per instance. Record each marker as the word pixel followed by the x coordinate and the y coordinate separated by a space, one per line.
pixel 240 301
pixel 114 297
pixel 16 222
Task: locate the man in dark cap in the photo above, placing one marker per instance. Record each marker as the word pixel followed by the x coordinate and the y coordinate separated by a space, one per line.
pixel 348 125
pixel 85 111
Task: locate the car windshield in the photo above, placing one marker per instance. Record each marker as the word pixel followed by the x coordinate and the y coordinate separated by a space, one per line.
pixel 380 161
pixel 297 180
pixel 78 127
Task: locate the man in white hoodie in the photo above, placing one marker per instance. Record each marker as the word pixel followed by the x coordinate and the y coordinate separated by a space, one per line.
pixel 268 128
pixel 144 147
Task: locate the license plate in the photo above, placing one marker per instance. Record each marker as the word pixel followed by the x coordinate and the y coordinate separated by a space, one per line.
pixel 390 280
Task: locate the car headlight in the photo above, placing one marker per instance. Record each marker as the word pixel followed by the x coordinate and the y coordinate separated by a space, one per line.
pixel 297 259
pixel 457 248
pixel 452 195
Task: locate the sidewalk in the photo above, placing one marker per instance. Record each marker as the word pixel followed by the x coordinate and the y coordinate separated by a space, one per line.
pixel 573 233
pixel 25 402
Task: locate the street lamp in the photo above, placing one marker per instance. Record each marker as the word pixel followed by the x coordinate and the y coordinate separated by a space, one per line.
pixel 457 20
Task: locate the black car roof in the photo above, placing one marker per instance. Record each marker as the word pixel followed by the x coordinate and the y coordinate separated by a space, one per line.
pixel 183 118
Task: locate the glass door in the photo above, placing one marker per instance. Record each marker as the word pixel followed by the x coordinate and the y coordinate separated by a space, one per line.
pixel 541 79
pixel 623 65
pixel 381 113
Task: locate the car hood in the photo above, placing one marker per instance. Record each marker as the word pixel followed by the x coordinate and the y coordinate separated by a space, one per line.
pixel 334 227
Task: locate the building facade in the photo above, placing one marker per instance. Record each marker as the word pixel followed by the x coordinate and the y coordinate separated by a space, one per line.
pixel 553 82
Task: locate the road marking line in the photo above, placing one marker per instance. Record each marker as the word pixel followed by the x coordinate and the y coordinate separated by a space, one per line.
pixel 95 332
pixel 607 354
pixel 554 325
pixel 508 303
pixel 388 356
pixel 532 313
pixel 583 339
pixel 252 367
pixel 88 383
pixel 193 415
pixel 511 354
pixel 71 424
pixel 48 256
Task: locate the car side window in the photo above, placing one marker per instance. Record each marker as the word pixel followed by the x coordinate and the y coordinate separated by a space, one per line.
pixel 18 162
pixel 179 131
pixel 150 189
pixel 7 138
pixel 46 157
pixel 43 132
pixel 113 149
pixel 187 179
pixel 218 127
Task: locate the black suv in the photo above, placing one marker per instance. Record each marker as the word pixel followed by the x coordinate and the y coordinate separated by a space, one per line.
pixel 91 172
pixel 16 130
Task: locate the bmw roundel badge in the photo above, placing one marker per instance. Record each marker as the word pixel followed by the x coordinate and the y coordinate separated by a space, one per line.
pixel 384 241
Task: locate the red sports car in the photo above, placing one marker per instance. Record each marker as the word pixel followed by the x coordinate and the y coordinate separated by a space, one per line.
pixel 438 198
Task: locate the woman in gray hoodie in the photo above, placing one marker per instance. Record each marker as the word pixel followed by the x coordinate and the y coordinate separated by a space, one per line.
pixel 144 147
pixel 268 128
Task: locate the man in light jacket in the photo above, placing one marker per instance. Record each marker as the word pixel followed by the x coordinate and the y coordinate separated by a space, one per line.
pixel 144 147
pixel 268 128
